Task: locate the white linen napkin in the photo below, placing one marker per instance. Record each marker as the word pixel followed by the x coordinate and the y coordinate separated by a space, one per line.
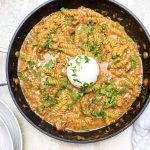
pixel 141 131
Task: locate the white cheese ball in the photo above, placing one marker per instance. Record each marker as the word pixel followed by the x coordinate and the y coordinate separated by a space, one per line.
pixel 82 70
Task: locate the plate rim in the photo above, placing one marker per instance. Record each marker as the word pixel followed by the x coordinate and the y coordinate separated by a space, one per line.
pixel 8 132
pixel 16 122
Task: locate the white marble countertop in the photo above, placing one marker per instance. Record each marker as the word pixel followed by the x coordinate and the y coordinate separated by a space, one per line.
pixel 11 14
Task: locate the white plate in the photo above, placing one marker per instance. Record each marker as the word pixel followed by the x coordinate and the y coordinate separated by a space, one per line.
pixel 11 122
pixel 6 142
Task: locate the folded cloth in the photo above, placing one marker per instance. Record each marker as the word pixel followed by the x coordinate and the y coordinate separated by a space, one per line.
pixel 141 131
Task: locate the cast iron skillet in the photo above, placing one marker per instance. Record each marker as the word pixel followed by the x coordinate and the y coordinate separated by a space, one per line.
pixel 116 12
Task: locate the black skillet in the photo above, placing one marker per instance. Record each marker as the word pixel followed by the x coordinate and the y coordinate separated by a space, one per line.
pixel 116 12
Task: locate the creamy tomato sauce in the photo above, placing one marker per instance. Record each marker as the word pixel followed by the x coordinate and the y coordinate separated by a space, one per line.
pixel 43 62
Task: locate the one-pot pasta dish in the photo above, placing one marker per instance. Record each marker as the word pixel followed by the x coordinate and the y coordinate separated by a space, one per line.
pixel 79 70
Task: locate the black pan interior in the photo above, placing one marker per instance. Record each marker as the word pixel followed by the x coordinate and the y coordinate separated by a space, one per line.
pixel 108 8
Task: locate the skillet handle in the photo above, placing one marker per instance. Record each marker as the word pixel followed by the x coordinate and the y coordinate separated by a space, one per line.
pixel 3 54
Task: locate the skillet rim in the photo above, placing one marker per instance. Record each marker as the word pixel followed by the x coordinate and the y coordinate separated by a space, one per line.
pixel 26 117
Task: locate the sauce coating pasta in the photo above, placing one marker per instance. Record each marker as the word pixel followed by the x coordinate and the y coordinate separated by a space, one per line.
pixel 43 62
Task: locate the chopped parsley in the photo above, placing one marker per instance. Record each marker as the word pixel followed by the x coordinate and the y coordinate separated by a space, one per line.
pixel 95 101
pixel 133 61
pixel 99 56
pixel 49 101
pixel 76 80
pixel 54 31
pixel 85 86
pixel 72 35
pixel 71 19
pixel 38 74
pixel 46 82
pixel 75 97
pixel 34 43
pixel 36 35
pixel 125 83
pixel 110 91
pixel 86 59
pixel 114 56
pixel 31 63
pixel 89 29
pixel 139 86
pixel 23 56
pixel 122 90
pixel 40 108
pixel 105 26
pixel 22 78
pixel 78 61
pixel 128 39
pixel 116 60
pixel 49 64
pixel 84 112
pixel 102 114
pixel 82 46
pixel 49 114
pixel 62 9
pixel 85 128
pixel 48 43
pixel 90 47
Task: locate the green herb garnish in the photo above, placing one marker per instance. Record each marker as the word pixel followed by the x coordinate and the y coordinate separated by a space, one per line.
pixel 139 86
pixel 89 29
pixel 62 9
pixel 86 59
pixel 128 39
pixel 85 86
pixel 54 31
pixel 75 97
pixel 114 56
pixel 38 74
pixel 72 35
pixel 90 47
pixel 105 26
pixel 126 83
pixel 102 114
pixel 71 19
pixel 49 114
pixel 117 60
pixel 46 82
pixel 34 43
pixel 36 35
pixel 78 61
pixel 22 78
pixel 110 91
pixel 23 56
pixel 49 101
pixel 82 46
pixel 31 63
pixel 99 56
pixel 84 112
pixel 49 64
pixel 122 90
pixel 48 43
pixel 85 128
pixel 95 101
pixel 133 61
pixel 40 108
pixel 76 80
